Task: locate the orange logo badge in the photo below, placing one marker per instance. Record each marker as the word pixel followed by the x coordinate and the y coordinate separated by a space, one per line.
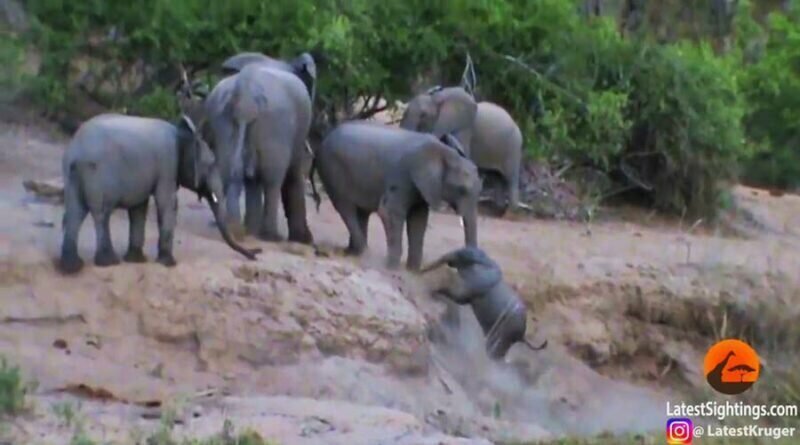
pixel 731 366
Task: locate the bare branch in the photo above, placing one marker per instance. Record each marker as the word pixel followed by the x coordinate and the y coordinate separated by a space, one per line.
pixel 544 79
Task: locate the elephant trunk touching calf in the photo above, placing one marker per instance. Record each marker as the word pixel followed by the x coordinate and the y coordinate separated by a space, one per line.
pixel 500 312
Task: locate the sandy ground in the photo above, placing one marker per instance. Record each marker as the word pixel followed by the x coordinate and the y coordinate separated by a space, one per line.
pixel 618 301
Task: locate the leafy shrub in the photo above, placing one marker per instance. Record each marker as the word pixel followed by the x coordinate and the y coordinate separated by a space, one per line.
pixel 12 55
pixel 581 92
pixel 12 389
pixel 772 87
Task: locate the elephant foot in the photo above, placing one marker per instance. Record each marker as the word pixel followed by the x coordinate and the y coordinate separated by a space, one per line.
pixel 270 236
pixel 302 236
pixel 414 266
pixel 70 265
pixel 354 251
pixel 135 256
pixel 393 264
pixel 106 258
pixel 166 259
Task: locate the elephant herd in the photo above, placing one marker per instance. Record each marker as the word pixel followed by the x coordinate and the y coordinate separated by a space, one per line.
pixel 250 134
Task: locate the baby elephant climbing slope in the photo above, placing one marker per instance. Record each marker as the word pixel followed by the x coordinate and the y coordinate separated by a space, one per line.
pixel 498 309
pixel 117 161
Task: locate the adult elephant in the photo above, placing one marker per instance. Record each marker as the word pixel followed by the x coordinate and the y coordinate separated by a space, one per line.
pixel 259 118
pixel 368 167
pixel 487 132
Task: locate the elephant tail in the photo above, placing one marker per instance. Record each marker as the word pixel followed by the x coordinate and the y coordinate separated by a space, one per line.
pixel 535 348
pixel 70 180
pixel 73 191
pixel 314 192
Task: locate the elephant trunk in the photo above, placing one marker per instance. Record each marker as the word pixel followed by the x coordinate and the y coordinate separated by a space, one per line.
pixel 214 189
pixel 444 259
pixel 223 230
pixel 469 216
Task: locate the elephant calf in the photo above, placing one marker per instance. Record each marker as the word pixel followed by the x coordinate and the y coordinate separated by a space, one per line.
pixel 498 309
pixel 117 161
pixel 368 167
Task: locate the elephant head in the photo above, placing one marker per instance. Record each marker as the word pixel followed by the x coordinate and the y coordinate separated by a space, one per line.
pixel 303 66
pixel 437 173
pixel 198 171
pixel 190 96
pixel 441 111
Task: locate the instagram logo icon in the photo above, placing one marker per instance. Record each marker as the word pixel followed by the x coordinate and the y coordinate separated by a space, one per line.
pixel 679 431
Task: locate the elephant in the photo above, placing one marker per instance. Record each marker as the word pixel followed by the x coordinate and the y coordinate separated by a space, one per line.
pixel 487 132
pixel 259 119
pixel 498 309
pixel 368 167
pixel 119 161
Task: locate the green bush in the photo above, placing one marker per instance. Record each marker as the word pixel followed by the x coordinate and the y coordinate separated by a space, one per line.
pixel 771 86
pixel 581 92
pixel 12 389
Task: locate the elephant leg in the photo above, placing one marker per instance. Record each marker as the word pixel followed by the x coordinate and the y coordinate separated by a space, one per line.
pixel 511 173
pixel 417 223
pixel 293 194
pixel 393 226
pixel 350 216
pixel 137 217
pixel 254 206
pixel 75 212
pixel 497 347
pixel 269 221
pixel 167 207
pixel 511 330
pixel 104 255
pixel 233 214
pixel 363 224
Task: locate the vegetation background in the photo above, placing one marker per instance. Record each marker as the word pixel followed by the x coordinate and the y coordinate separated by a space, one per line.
pixel 672 100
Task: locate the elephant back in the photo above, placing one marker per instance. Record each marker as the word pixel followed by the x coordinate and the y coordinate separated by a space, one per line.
pixel 496 136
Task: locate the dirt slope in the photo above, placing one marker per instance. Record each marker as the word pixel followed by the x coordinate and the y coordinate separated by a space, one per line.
pixel 311 347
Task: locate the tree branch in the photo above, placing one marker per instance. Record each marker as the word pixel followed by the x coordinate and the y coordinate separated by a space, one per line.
pixel 552 85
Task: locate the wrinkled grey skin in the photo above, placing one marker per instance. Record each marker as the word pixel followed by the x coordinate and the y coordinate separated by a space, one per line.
pixel 258 122
pixel 368 167
pixel 303 66
pixel 117 161
pixel 487 132
pixel 498 309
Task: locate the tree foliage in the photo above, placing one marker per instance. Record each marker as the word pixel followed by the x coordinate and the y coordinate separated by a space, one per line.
pixel 667 119
pixel 771 85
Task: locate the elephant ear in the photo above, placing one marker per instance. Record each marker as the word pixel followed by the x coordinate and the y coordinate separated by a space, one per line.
pixel 456 110
pixel 304 63
pixel 427 174
pixel 306 69
pixel 452 141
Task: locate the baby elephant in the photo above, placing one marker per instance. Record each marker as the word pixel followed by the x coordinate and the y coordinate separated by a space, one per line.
pixel 499 310
pixel 118 161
